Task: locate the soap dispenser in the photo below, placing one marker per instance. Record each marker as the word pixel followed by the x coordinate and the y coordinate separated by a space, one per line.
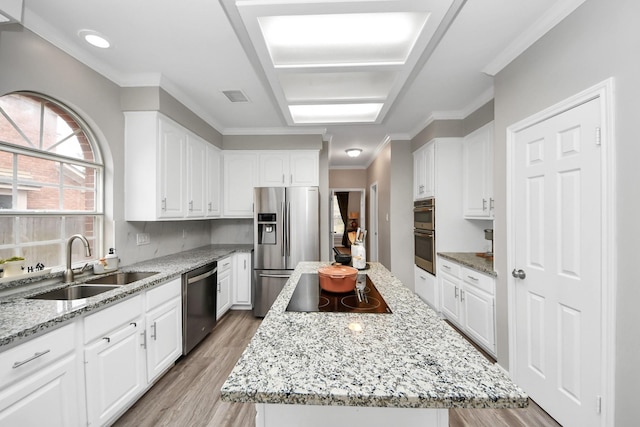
pixel 112 259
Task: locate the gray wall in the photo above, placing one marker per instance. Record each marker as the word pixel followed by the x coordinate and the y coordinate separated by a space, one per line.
pixel 380 171
pixel 401 212
pixel 347 178
pixel 601 39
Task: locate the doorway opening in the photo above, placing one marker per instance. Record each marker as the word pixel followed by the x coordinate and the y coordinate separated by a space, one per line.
pixel 346 215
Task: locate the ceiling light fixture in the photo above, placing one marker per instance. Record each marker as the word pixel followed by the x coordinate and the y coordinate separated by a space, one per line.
pixel 335 113
pixel 95 39
pixel 353 152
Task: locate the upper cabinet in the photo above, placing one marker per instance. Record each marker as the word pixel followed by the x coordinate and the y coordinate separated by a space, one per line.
pixel 424 171
pixel 477 167
pixel 288 168
pixel 240 177
pixel 167 175
pixel 214 179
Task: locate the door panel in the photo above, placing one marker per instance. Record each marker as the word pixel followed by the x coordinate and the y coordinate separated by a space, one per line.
pixel 303 222
pixel 558 226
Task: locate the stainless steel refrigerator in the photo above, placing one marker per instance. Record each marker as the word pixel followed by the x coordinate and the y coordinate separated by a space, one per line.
pixel 286 231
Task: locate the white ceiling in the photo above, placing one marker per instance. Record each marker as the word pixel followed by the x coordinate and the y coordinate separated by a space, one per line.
pixel 191 50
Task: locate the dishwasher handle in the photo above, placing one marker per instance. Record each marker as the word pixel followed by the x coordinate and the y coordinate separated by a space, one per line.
pixel 202 276
pixel 276 276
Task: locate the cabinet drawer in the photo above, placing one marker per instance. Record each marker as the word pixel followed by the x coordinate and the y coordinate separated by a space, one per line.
pixel 104 321
pixel 163 293
pixel 36 353
pixel 479 280
pixel 224 264
pixel 449 267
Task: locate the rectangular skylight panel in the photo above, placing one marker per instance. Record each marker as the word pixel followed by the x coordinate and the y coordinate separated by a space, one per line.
pixel 341 39
pixel 335 113
pixel 369 85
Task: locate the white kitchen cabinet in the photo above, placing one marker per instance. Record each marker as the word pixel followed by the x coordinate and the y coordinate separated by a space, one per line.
pixel 288 168
pixel 164 327
pixel 427 288
pixel 114 356
pixel 424 171
pixel 165 169
pixel 240 177
pixel 450 287
pixel 195 172
pixel 38 382
pixel 477 162
pixel 468 301
pixel 214 181
pixel 242 280
pixel 223 299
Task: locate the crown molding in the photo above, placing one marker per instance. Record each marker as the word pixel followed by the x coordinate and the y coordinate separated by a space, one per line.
pixel 276 131
pixel 553 16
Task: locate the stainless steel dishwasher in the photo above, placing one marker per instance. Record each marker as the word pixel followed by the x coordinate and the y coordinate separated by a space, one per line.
pixel 199 290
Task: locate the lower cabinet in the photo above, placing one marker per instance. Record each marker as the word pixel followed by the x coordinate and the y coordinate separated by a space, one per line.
pixel 242 281
pixel 468 301
pixel 223 302
pixel 39 382
pixel 426 287
pixel 115 356
pixel 164 327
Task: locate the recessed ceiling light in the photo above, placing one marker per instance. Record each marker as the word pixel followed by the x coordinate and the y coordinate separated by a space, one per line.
pixel 351 38
pixel 335 113
pixel 353 152
pixel 95 39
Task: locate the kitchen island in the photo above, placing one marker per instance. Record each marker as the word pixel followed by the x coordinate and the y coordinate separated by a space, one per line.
pixel 404 368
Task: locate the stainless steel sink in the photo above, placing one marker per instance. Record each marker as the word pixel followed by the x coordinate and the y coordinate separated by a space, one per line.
pixel 74 292
pixel 121 278
pixel 95 286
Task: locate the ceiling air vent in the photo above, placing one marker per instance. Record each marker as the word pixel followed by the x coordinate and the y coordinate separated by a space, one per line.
pixel 235 95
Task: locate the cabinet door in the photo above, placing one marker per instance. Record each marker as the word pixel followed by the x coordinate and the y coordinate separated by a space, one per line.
pixel 164 337
pixel 477 173
pixel 273 169
pixel 450 288
pixel 48 397
pixel 304 169
pixel 196 166
pixel 479 316
pixel 114 372
pixel 430 170
pixel 419 174
pixel 214 175
pixel 224 293
pixel 427 287
pixel 240 172
pixel 172 149
pixel 242 280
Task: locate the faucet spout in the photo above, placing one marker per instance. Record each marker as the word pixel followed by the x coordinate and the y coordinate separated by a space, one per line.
pixel 68 273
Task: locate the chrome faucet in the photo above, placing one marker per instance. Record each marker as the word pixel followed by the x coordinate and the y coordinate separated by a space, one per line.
pixel 68 273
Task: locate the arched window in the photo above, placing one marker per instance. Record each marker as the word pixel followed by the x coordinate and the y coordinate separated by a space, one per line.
pixel 51 181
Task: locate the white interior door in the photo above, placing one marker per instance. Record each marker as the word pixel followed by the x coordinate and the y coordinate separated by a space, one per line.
pixel 558 238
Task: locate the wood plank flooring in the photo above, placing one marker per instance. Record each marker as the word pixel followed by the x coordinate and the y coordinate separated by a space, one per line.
pixel 189 393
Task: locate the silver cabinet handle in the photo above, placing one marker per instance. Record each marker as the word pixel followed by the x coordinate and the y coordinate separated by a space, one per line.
pixel 491 203
pixel 35 356
pixel 423 278
pixel 461 295
pixel 518 274
pixel 144 340
pixel 456 292
pixel 190 205
pixel 283 178
pixel 154 333
pixel 484 204
pixel 473 278
pixel 219 288
pixel 164 204
pixel 245 264
pixel 210 208
pixel 446 266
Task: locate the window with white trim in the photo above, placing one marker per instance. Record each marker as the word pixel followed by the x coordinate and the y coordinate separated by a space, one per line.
pixel 51 181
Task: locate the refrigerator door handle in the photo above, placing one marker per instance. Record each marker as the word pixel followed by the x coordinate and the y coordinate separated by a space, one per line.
pixel 288 229
pixel 284 233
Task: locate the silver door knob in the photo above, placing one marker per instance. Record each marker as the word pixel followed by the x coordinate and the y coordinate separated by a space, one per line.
pixel 518 274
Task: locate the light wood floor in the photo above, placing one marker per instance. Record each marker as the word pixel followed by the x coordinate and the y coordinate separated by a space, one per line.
pixel 189 394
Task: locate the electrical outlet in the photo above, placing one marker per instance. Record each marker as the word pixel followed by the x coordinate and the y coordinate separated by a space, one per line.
pixel 143 239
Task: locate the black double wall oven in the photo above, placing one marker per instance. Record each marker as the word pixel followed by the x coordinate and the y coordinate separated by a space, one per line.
pixel 424 230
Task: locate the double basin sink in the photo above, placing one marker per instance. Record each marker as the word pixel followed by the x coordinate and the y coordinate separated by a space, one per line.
pixel 94 287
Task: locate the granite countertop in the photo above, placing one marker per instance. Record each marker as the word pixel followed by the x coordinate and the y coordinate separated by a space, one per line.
pixel 471 260
pixel 410 358
pixel 21 317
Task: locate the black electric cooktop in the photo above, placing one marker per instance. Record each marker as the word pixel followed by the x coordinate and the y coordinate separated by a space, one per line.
pixel 308 297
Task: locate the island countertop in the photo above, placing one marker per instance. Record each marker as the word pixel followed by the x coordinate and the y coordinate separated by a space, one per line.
pixel 408 359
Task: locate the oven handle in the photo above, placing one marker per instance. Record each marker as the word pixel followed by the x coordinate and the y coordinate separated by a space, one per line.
pixel 423 209
pixel 421 233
